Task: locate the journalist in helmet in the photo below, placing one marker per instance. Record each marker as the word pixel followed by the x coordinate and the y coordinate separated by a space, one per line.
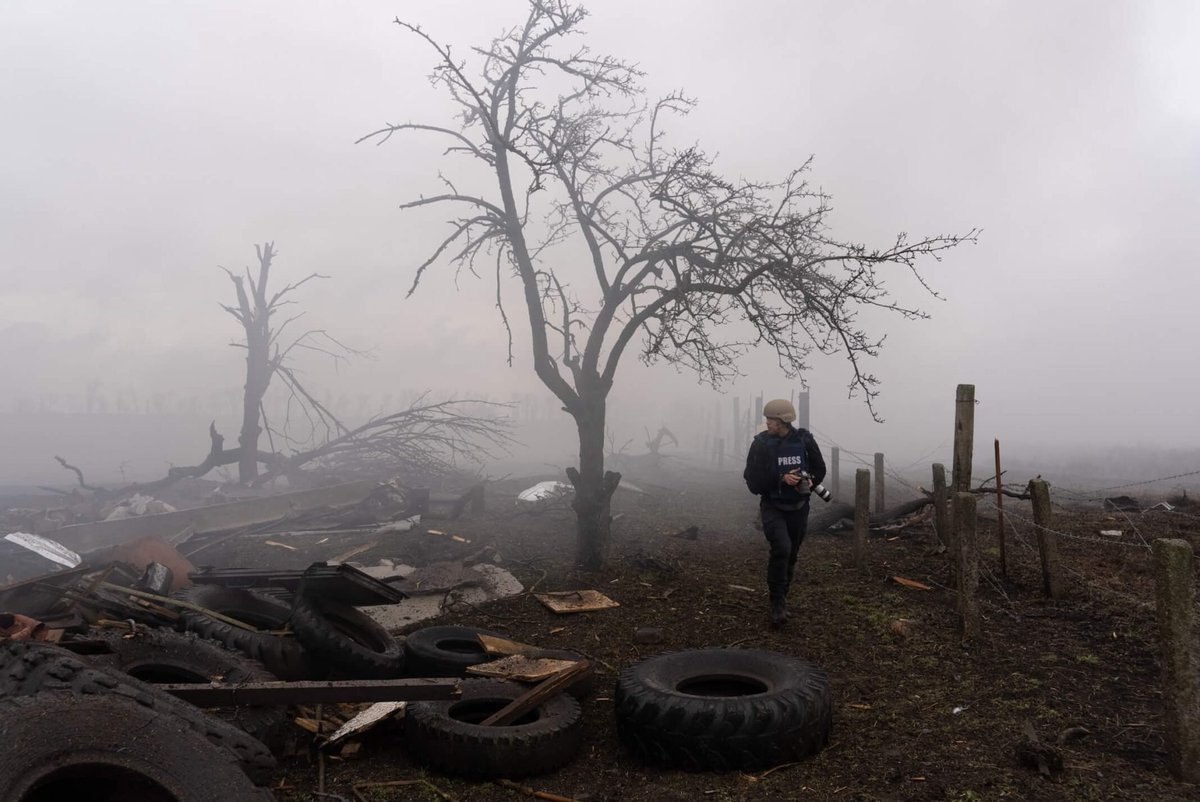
pixel 782 467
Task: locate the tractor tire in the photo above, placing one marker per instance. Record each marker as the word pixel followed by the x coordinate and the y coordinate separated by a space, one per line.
pixel 109 748
pixel 30 668
pixel 447 737
pixel 723 709
pixel 345 640
pixel 165 656
pixel 283 657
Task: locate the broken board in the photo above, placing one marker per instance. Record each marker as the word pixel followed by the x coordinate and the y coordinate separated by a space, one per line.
pixel 520 668
pixel 575 601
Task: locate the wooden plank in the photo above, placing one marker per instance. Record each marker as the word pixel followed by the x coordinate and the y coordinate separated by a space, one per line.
pixel 534 697
pixel 292 693
pixel 576 601
pixel 519 668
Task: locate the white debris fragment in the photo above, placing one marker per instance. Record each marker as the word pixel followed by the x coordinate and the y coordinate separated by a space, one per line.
pixel 137 505
pixel 52 550
pixel 544 491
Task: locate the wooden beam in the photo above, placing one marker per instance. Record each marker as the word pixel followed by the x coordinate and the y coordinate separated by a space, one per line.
pixel 418 689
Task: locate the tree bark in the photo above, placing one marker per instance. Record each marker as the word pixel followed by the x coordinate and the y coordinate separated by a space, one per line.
pixel 594 487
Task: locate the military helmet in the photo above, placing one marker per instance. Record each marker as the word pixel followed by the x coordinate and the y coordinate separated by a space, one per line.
pixel 780 408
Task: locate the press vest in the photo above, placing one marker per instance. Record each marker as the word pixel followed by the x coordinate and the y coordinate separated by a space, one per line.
pixel 788 455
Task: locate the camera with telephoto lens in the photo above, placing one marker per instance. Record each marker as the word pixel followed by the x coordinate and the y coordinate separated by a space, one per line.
pixel 818 490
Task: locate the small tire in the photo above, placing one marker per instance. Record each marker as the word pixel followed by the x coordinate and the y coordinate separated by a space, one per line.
pixel 449 650
pixel 723 709
pixel 60 745
pixel 165 656
pixel 345 639
pixel 283 657
pixel 29 668
pixel 447 737
pixel 445 651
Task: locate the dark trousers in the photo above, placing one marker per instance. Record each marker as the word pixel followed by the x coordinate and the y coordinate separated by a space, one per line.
pixel 784 530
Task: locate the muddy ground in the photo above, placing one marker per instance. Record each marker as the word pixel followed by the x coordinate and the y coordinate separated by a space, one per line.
pixel 917 716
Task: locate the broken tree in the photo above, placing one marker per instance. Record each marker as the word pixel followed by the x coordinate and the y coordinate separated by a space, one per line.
pixel 427 437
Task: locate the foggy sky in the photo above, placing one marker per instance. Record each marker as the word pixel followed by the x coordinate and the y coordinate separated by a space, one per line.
pixel 145 144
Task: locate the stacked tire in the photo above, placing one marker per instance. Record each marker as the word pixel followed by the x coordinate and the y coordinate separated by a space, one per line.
pixel 165 656
pixel 76 731
pixel 448 736
pixel 448 651
pixel 329 639
pixel 282 656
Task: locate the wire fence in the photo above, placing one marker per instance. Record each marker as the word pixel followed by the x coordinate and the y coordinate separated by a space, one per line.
pixel 1132 543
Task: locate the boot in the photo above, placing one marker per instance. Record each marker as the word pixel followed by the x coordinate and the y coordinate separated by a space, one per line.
pixel 779 613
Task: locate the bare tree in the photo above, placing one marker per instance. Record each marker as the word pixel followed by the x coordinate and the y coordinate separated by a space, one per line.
pixel 427 438
pixel 673 252
pixel 267 353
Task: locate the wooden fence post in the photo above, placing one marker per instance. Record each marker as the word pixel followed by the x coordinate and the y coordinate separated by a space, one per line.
pixel 720 452
pixel 964 445
pixel 1000 515
pixel 879 482
pixel 835 472
pixel 1175 597
pixel 1047 539
pixel 736 433
pixel 941 512
pixel 964 437
pixel 862 516
pixel 967 558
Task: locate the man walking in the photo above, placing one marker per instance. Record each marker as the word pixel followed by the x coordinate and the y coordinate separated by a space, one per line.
pixel 781 468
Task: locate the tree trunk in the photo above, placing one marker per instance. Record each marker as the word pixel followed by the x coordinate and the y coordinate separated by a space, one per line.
pixel 593 487
pixel 257 378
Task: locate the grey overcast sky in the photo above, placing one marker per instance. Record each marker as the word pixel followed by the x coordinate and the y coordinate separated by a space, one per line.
pixel 144 144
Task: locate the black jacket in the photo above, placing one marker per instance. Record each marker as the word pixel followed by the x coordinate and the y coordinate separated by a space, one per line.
pixel 760 474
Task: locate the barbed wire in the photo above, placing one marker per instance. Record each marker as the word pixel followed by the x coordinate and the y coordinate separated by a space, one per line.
pixel 1076 494
pixel 1149 481
pixel 1020 539
pixel 1070 536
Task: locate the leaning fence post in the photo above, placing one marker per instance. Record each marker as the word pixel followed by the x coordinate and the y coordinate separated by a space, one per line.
pixel 1175 597
pixel 941 515
pixel 1047 539
pixel 862 516
pixel 967 558
pixel 879 503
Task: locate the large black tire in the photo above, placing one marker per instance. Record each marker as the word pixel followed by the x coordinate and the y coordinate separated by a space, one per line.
pixel 29 668
pixel 164 656
pixel 62 745
pixel 283 657
pixel 723 709
pixel 447 736
pixel 346 640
